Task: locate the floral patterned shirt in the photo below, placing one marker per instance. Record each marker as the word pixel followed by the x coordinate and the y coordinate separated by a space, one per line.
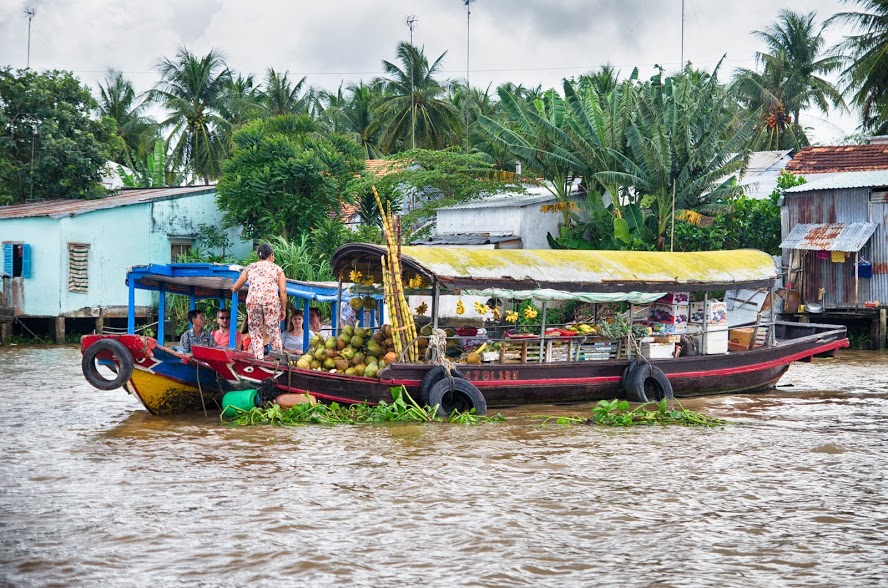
pixel 263 278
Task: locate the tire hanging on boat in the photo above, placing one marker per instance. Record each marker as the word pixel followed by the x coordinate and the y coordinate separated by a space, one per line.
pixel 431 378
pixel 118 351
pixel 456 394
pixel 644 382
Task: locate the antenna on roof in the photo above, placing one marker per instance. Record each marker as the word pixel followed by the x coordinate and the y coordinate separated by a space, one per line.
pixel 29 12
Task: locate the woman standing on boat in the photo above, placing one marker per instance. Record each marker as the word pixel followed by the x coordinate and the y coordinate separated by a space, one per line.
pixel 266 299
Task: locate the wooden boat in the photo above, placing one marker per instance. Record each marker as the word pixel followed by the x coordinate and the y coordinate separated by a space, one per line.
pixel 165 380
pixel 592 276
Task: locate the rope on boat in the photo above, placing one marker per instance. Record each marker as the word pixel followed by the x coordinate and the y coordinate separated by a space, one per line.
pixel 436 351
pixel 200 388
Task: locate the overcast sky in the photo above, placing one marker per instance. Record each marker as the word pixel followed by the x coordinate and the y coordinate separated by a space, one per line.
pixel 330 41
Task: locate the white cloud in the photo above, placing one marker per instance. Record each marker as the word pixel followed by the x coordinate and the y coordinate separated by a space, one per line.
pixel 524 41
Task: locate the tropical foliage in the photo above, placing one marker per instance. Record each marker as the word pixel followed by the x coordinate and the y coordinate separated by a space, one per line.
pixel 790 81
pixel 866 73
pixel 285 176
pixel 192 89
pixel 50 147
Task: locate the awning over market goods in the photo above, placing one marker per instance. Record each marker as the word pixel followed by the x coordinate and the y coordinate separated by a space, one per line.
pixel 566 270
pixel 849 237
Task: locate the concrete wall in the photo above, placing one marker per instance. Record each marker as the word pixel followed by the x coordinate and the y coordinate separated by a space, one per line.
pixel 528 222
pixel 37 294
pixel 181 217
pixel 119 238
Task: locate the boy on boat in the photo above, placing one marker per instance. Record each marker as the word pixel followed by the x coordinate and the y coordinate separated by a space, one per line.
pixel 196 335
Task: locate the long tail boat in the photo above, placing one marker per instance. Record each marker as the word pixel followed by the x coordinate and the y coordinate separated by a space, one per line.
pixel 572 375
pixel 163 379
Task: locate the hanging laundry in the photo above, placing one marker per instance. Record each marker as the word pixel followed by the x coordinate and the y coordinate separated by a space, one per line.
pixel 838 256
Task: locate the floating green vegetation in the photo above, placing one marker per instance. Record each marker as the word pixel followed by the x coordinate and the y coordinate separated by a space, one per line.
pixel 617 413
pixel 402 409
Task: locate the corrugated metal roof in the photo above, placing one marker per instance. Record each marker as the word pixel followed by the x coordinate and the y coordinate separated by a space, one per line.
pixel 841 181
pixel 570 270
pixel 760 161
pixel 829 236
pixel 467 239
pixel 61 208
pixel 534 195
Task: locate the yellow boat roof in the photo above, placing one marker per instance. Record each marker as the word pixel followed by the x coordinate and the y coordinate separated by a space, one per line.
pixel 567 270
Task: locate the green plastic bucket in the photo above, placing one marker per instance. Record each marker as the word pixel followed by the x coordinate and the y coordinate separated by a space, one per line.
pixel 238 400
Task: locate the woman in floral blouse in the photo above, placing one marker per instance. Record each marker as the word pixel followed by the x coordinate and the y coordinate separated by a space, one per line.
pixel 266 299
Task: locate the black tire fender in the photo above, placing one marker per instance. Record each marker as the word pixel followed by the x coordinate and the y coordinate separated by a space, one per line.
pixel 431 378
pixel 646 383
pixel 456 394
pixel 119 352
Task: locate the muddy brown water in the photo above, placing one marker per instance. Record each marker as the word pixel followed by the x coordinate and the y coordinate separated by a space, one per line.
pixel 95 491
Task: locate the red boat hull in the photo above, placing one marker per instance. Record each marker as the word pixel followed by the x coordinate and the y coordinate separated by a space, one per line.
pixel 548 383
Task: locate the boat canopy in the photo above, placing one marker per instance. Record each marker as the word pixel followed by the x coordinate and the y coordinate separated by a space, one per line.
pixel 568 271
pixel 214 280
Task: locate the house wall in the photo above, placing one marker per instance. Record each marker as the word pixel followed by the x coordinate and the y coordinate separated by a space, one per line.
pixel 38 293
pixel 837 279
pixel 180 218
pixel 119 238
pixel 116 238
pixel 528 222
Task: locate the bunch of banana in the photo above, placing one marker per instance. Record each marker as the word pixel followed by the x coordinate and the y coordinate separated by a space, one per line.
pixel 497 313
pixel 530 313
pixel 460 309
pixel 421 309
pixel 512 316
pixel 355 276
pixel 481 308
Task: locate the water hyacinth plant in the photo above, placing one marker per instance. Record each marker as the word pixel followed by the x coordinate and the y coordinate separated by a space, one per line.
pixel 617 413
pixel 402 409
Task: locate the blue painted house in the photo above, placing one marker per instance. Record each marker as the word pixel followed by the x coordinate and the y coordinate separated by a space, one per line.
pixel 67 259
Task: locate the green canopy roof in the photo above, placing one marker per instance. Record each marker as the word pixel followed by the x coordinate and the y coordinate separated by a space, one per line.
pixel 568 270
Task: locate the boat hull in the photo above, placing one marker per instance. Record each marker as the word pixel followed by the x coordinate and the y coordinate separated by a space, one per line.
pixel 516 384
pixel 163 380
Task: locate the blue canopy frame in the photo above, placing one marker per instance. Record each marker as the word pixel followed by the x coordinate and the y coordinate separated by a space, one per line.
pixel 200 281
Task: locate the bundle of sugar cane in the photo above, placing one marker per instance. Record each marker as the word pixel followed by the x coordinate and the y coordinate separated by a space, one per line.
pixel 403 327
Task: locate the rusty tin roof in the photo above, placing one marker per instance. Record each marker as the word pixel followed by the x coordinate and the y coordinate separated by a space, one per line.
pixel 56 209
pixel 829 236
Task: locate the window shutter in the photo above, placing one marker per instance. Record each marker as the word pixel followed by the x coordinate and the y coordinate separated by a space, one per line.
pixel 7 258
pixel 78 268
pixel 26 261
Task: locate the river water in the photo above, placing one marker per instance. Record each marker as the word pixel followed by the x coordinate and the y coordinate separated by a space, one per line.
pixel 95 491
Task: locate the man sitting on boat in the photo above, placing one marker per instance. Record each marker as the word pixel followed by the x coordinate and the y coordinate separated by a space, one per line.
pixel 222 335
pixel 196 335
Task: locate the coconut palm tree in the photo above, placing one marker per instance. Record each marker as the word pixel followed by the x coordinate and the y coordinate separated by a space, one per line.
pixel 792 68
pixel 353 112
pixel 415 108
pixel 866 74
pixel 281 96
pixel 118 100
pixel 192 89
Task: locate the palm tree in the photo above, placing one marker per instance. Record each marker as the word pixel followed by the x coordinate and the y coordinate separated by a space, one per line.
pixel 192 90
pixel 414 107
pixel 118 100
pixel 242 100
pixel 281 96
pixel 793 66
pixel 866 75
